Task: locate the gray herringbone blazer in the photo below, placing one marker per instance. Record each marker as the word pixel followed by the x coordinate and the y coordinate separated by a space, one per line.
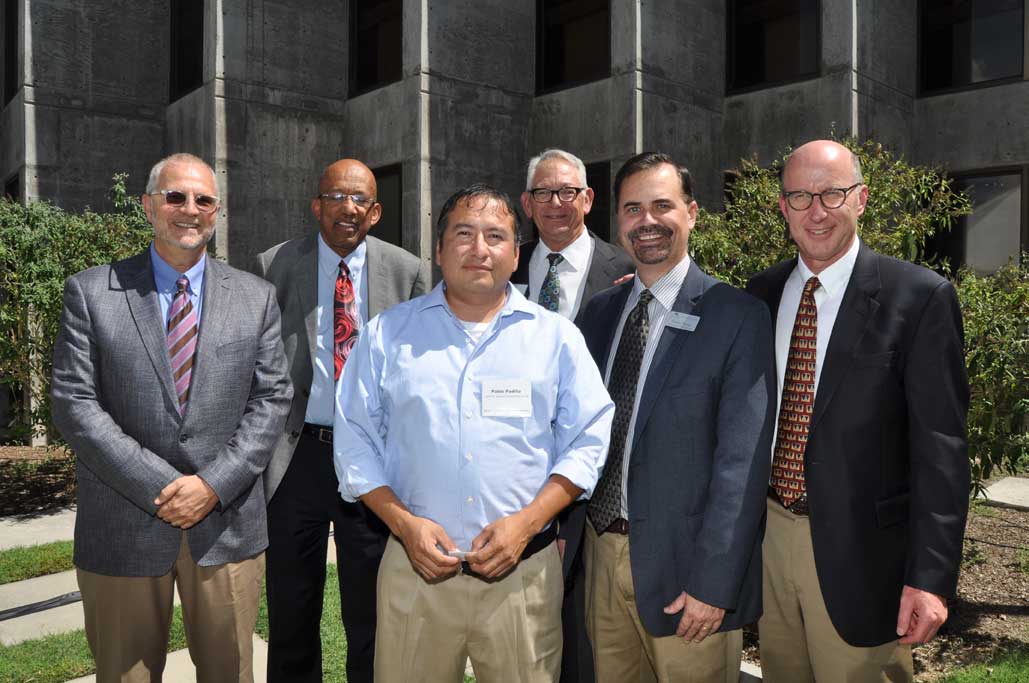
pixel 394 275
pixel 114 402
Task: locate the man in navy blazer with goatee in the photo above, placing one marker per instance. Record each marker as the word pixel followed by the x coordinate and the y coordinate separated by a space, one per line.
pixel 673 545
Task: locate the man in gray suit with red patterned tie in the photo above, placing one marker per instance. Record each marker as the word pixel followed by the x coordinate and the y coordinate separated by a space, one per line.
pixel 170 385
pixel 329 283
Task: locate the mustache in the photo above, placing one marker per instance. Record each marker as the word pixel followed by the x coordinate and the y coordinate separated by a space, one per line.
pixel 650 230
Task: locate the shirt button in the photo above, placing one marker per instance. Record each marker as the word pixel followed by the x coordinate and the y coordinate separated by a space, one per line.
pixel 467 456
pixel 470 499
pixel 467 414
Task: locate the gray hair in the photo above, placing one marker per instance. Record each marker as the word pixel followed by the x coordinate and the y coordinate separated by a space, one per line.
pixel 178 157
pixel 555 154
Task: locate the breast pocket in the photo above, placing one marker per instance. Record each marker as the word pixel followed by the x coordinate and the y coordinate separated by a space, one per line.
pixel 239 348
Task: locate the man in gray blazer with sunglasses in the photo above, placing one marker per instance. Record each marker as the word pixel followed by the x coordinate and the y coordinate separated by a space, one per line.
pixel 170 385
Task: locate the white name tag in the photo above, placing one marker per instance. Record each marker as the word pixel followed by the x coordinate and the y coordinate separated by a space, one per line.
pixel 682 321
pixel 506 398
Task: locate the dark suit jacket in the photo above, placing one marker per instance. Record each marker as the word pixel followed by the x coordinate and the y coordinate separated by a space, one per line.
pixel 115 403
pixel 699 464
pixel 394 275
pixel 886 461
pixel 607 264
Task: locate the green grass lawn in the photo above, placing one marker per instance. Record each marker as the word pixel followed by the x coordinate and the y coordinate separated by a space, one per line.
pixel 1011 668
pixel 18 564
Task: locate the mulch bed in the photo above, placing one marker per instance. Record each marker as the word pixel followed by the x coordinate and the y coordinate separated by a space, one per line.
pixel 990 616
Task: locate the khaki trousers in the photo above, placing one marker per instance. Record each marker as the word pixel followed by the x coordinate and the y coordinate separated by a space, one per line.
pixel 128 619
pixel 509 628
pixel 799 643
pixel 623 650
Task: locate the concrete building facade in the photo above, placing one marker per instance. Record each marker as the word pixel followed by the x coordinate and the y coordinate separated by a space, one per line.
pixel 284 87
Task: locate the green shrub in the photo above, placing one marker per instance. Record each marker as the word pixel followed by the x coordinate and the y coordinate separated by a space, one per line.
pixel 40 246
pixel 996 316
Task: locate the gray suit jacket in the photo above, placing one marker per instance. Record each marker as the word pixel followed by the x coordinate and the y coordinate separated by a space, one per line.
pixel 701 451
pixel 394 275
pixel 115 404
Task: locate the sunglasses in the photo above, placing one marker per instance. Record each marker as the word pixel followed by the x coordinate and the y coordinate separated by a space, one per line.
pixel 204 202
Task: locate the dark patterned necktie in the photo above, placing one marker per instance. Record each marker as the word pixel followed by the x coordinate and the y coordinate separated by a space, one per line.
pixel 182 340
pixel 798 400
pixel 550 290
pixel 345 324
pixel 606 504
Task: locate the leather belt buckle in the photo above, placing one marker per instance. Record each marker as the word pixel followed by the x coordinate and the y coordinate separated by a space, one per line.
pixel 618 526
pixel 323 434
pixel 799 506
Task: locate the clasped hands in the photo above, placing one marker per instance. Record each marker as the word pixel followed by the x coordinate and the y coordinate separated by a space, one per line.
pixel 185 501
pixel 494 552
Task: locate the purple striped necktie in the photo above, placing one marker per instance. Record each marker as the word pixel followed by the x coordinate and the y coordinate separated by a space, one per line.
pixel 182 340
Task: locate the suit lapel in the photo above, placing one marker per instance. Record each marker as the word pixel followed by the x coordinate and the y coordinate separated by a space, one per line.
pixel 305 289
pixel 378 283
pixel 669 347
pixel 216 308
pixel 601 274
pixel 857 310
pixel 141 294
pixel 608 318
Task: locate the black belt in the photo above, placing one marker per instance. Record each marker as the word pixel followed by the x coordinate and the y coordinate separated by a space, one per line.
pixel 798 506
pixel 320 432
pixel 619 526
pixel 538 543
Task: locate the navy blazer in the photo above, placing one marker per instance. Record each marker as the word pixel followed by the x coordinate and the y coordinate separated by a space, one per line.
pixel 886 462
pixel 700 458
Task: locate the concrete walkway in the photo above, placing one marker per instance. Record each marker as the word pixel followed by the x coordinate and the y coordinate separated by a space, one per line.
pixel 36 530
pixel 1009 492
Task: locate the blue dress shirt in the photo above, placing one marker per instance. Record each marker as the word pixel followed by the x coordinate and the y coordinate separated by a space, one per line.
pixel 165 277
pixel 412 395
pixel 323 381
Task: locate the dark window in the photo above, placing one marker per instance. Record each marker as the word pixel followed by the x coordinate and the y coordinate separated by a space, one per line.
pixel 10 50
pixel 376 44
pixel 573 42
pixel 389 181
pixel 992 234
pixel 598 177
pixel 771 42
pixel 12 188
pixel 964 42
pixel 187 47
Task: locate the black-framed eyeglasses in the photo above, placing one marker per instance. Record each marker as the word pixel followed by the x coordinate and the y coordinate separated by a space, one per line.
pixel 340 197
pixel 833 198
pixel 543 195
pixel 205 203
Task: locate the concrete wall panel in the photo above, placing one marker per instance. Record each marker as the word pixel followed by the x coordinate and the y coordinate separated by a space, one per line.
pixel 958 130
pixel 593 121
pixel 684 42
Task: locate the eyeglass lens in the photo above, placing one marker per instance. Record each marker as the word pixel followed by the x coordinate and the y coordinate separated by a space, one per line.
pixel 204 202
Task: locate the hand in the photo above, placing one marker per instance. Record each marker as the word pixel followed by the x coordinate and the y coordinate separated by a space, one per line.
pixel 921 614
pixel 561 543
pixel 699 620
pixel 421 537
pixel 498 547
pixel 624 278
pixel 185 501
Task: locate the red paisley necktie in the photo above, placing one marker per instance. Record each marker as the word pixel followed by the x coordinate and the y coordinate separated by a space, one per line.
pixel 345 321
pixel 798 400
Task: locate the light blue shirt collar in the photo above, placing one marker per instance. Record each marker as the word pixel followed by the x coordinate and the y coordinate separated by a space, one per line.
pixel 164 280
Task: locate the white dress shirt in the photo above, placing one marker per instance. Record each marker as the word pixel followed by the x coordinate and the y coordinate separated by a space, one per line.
pixel 828 296
pixel 323 383
pixel 665 291
pixel 572 271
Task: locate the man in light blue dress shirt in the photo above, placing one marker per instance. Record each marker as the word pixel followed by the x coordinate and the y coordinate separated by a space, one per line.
pixel 467 419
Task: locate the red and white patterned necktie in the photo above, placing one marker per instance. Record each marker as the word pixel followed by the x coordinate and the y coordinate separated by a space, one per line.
pixel 182 340
pixel 798 400
pixel 344 318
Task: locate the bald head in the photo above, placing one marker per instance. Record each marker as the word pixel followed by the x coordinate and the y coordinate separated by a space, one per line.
pixel 346 206
pixel 346 170
pixel 827 154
